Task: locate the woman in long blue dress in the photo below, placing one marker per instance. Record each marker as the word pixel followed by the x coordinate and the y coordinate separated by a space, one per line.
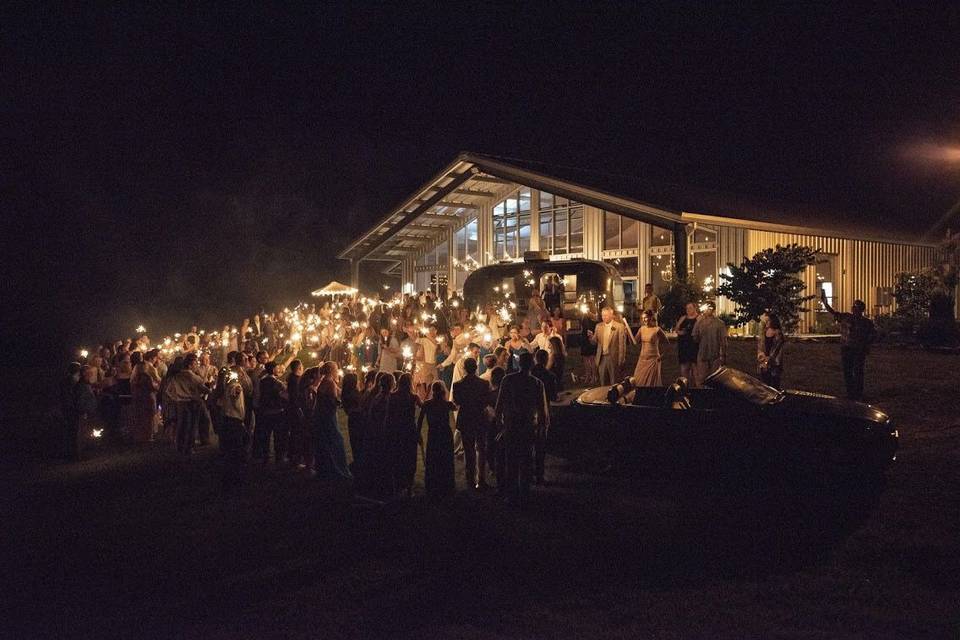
pixel 330 456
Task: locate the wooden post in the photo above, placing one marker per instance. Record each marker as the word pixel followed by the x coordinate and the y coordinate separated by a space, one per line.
pixel 355 273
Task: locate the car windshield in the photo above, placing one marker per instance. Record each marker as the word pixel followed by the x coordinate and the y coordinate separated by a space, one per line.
pixel 743 386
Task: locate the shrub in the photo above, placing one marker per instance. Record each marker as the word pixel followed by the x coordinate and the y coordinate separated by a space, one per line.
pixel 914 292
pixel 676 298
pixel 769 281
pixel 894 326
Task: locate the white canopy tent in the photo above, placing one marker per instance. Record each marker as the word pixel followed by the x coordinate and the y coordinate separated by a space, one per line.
pixel 334 289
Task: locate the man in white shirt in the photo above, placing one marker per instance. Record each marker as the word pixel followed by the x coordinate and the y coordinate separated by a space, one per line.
pixel 426 362
pixel 542 339
pixel 460 339
pixel 489 361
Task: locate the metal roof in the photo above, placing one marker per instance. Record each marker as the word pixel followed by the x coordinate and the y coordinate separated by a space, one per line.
pixel 451 197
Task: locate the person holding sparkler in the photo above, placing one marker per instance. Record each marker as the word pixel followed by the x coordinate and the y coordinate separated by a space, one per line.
pixel 425 358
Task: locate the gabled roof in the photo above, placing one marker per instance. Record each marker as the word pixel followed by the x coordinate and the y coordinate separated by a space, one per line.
pixel 452 196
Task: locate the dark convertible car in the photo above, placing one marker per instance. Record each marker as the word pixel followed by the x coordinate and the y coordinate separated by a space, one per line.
pixel 734 426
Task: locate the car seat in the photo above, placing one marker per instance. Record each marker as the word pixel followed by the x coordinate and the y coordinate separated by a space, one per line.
pixel 677 395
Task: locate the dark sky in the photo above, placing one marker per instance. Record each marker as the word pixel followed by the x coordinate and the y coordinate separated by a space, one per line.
pixel 170 165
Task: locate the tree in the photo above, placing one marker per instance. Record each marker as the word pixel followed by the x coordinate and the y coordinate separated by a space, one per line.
pixel 913 293
pixel 676 298
pixel 769 282
pixel 941 330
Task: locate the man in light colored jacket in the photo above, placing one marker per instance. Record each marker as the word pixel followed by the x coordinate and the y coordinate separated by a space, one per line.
pixel 611 340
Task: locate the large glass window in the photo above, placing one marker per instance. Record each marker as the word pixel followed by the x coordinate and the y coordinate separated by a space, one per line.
pixel 661 272
pixel 661 259
pixel 436 256
pixel 703 257
pixel 465 251
pixel 511 225
pixel 561 224
pixel 627 267
pixel 705 270
pixel 620 232
pixel 611 231
pixel 660 237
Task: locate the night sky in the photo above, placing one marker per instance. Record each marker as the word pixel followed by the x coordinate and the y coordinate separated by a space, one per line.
pixel 169 166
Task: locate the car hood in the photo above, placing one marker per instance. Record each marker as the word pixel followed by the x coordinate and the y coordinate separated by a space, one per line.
pixel 596 395
pixel 819 403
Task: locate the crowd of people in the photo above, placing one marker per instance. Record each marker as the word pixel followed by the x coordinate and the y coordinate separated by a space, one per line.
pixel 393 366
pixel 390 364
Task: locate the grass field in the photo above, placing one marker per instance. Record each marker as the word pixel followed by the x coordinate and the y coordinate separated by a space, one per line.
pixel 141 543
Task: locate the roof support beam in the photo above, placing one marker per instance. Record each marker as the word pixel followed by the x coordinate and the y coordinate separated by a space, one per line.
pixel 491 180
pixel 441 218
pixel 425 227
pixel 475 193
pixel 416 239
pixel 455 205
pixel 456 180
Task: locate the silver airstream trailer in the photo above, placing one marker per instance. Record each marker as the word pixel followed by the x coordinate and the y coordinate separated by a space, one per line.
pixel 580 282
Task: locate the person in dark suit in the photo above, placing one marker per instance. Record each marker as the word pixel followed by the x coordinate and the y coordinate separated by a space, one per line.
pixel 470 394
pixel 521 414
pixel 549 382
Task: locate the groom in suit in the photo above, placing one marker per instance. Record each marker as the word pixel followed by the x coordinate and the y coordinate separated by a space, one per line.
pixel 610 338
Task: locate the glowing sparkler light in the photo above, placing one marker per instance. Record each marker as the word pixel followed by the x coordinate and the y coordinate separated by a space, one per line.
pixel 84 353
pixel 141 329
pixel 584 309
pixel 97 433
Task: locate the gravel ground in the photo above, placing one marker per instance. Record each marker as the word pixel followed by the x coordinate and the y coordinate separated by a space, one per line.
pixel 137 542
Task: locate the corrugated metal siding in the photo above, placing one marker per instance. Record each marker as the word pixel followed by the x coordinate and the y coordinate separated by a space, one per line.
pixel 731 249
pixel 864 264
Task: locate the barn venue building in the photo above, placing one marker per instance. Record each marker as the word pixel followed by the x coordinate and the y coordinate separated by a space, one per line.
pixel 484 209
